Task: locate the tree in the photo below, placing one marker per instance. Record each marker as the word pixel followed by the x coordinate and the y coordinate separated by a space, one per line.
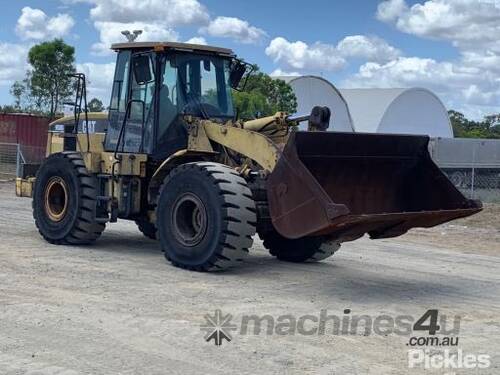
pixel 8 109
pixel 95 105
pixel 18 90
pixel 48 81
pixel 465 128
pixel 264 96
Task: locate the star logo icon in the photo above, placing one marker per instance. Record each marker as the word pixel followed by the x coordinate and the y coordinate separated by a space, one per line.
pixel 218 327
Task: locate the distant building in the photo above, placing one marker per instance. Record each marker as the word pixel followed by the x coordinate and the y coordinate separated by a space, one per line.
pixel 312 91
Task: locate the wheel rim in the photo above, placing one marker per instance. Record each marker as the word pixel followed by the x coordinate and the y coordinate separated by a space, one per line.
pixel 189 219
pixel 56 199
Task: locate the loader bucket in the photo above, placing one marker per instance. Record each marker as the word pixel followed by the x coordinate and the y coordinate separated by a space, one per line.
pixel 343 185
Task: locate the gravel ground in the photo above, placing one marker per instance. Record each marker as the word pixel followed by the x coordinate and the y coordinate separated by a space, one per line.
pixel 117 307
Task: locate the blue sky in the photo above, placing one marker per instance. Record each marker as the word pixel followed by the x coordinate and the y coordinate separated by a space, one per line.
pixel 448 46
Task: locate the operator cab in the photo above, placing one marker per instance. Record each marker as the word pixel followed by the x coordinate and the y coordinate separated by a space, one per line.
pixel 157 84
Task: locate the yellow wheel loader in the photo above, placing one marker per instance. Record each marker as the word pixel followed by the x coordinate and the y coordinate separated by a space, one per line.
pixel 171 156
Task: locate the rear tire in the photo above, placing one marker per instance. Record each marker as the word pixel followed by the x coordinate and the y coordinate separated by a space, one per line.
pixel 305 249
pixel 206 217
pixel 147 228
pixel 64 201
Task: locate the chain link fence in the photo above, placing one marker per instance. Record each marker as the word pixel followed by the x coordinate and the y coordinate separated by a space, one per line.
pixel 10 162
pixel 477 183
pixel 13 157
pixel 472 165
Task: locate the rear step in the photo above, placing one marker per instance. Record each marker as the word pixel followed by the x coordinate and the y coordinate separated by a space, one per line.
pixel 103 200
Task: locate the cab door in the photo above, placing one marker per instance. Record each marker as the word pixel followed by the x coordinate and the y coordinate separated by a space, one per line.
pixel 131 113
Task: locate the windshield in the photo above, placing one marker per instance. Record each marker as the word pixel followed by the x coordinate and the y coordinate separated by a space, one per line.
pixel 203 87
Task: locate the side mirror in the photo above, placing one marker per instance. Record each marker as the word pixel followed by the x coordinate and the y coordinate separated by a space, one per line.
pixel 141 66
pixel 239 69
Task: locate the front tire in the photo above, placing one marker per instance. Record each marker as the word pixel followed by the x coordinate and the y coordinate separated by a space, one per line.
pixel 206 217
pixel 64 201
pixel 305 249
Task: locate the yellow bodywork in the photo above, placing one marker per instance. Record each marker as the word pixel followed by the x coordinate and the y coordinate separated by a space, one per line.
pixel 251 144
pixel 248 139
pixel 24 187
pixel 54 143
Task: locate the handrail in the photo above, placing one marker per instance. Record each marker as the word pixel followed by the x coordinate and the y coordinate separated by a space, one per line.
pixel 124 122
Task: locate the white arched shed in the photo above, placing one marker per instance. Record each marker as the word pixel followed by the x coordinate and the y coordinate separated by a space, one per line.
pixel 400 111
pixel 397 111
pixel 312 91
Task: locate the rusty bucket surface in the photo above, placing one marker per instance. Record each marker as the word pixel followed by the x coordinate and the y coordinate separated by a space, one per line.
pixel 344 185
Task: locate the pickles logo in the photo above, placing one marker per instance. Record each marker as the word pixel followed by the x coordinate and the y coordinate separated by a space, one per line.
pixel 447 359
pixel 218 327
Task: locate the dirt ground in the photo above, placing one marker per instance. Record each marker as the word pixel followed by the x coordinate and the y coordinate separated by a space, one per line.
pixel 117 307
pixel 477 234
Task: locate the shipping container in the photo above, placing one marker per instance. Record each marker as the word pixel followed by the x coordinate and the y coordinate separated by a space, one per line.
pixel 7 129
pixel 25 129
pixel 29 131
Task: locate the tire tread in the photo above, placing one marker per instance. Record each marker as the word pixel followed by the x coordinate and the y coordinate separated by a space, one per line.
pixel 85 228
pixel 239 215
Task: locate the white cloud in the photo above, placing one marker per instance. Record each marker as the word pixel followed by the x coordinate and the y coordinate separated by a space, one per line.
pixel 468 24
pixel 463 87
pixel 371 48
pixel 299 55
pixel 390 10
pixel 486 60
pixel 110 32
pixel 413 71
pixel 13 63
pixel 471 82
pixel 234 28
pixel 197 40
pixel 100 80
pixel 170 12
pixel 281 73
pixel 35 24
pixel 318 57
pixel 476 96
pixel 157 19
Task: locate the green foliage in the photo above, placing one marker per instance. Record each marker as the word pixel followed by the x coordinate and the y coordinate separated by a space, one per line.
pixel 18 90
pixel 264 96
pixel 8 109
pixel 465 128
pixel 95 105
pixel 48 82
